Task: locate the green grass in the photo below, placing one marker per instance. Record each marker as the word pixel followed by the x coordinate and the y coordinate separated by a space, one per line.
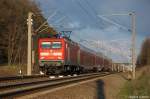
pixel 138 87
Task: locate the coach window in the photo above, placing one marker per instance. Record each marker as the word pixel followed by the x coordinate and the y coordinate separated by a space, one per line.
pixel 56 45
pixel 46 45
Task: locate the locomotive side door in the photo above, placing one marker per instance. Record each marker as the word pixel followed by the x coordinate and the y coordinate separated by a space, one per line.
pixel 68 53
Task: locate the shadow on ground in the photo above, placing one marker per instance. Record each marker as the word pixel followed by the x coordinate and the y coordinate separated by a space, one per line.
pixel 100 90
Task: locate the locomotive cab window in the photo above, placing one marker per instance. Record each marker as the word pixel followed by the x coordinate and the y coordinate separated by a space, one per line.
pixel 46 45
pixel 56 45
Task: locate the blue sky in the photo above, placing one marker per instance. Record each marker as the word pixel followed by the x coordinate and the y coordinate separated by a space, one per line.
pixel 92 20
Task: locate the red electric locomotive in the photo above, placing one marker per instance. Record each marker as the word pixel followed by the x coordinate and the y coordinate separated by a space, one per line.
pixel 62 55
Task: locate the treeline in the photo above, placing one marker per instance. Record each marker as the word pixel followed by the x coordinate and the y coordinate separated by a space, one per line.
pixel 13 29
pixel 144 57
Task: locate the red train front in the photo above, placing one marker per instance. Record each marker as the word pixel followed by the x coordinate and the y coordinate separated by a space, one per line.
pixel 51 51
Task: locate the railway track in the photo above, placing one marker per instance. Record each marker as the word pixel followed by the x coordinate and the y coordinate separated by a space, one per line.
pixel 11 89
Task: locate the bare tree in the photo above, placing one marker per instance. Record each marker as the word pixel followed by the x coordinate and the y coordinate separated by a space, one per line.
pixel 144 56
pixel 13 28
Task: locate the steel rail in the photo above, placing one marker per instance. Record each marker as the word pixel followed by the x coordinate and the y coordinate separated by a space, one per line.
pixel 14 84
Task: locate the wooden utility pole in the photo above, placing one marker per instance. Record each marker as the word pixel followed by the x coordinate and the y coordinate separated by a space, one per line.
pixel 133 44
pixel 29 58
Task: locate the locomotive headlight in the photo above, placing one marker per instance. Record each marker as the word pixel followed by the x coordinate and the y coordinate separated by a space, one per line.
pixel 57 54
pixel 41 57
pixel 59 57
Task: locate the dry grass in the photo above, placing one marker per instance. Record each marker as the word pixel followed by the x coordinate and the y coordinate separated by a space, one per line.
pixel 139 87
pixel 12 70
